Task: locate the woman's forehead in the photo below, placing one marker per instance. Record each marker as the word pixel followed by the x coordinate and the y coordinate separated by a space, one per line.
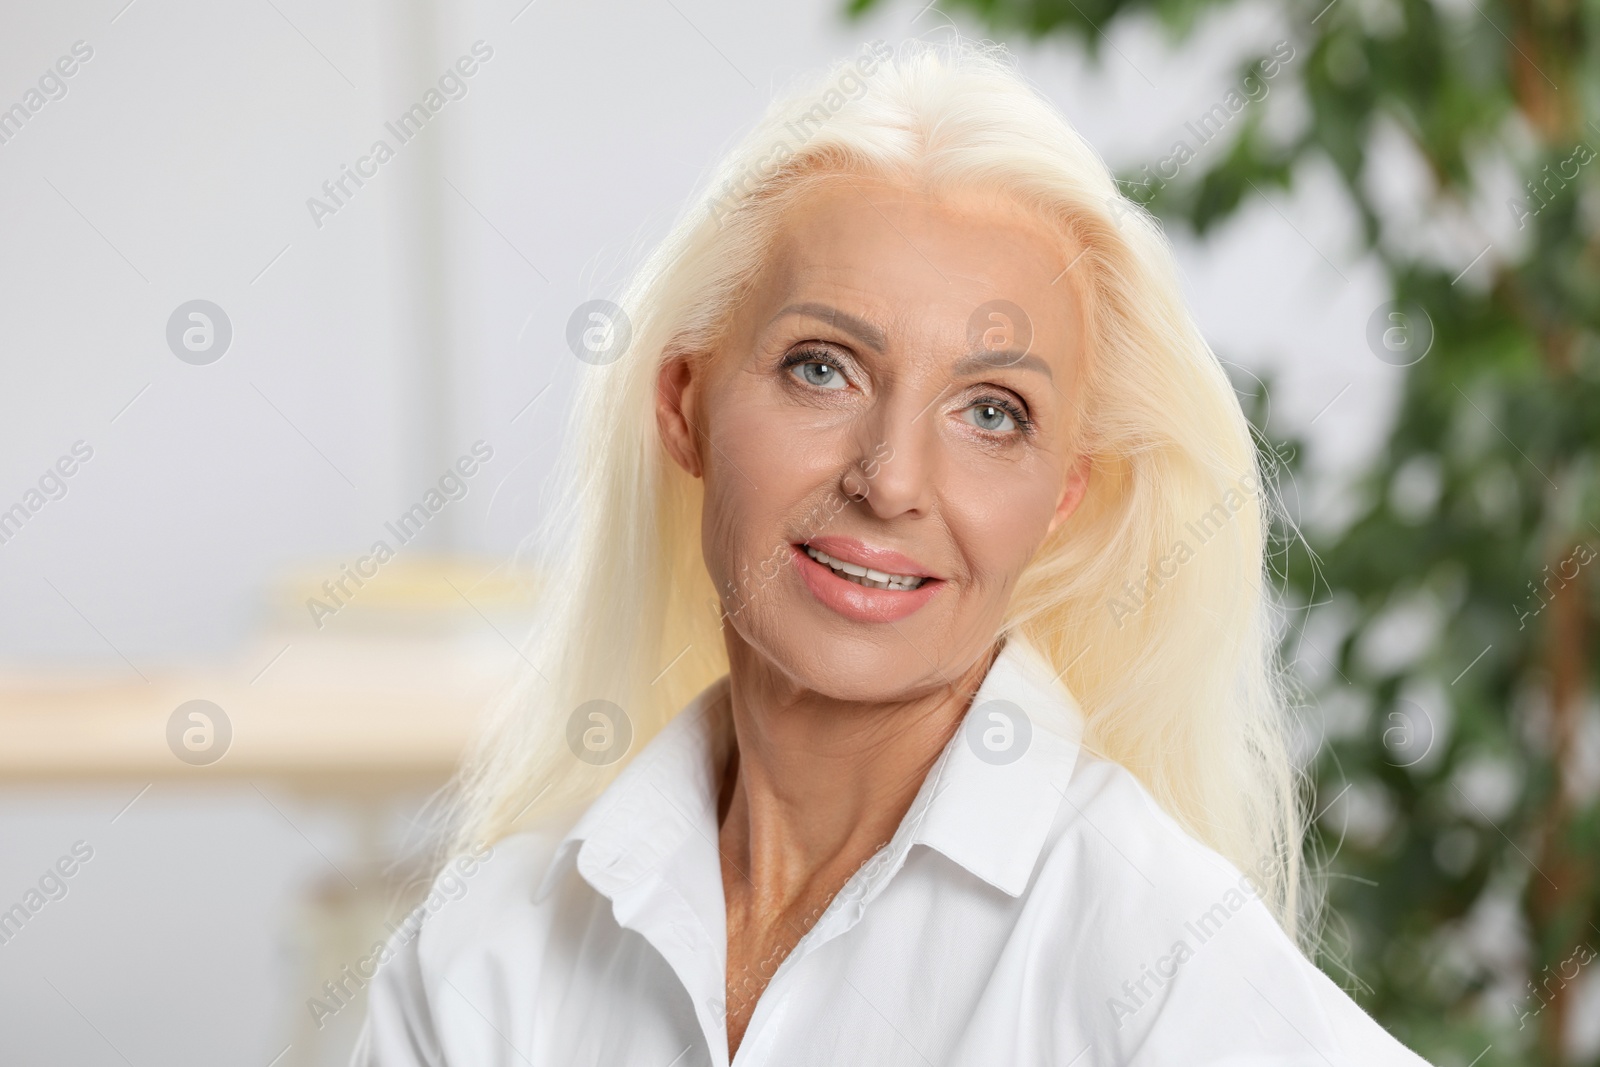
pixel 897 258
pixel 834 219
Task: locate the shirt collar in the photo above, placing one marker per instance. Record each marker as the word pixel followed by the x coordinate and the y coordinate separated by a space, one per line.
pixel 665 794
pixel 987 804
pixel 990 801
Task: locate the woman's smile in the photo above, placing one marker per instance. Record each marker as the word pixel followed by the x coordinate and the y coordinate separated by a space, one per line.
pixel 861 582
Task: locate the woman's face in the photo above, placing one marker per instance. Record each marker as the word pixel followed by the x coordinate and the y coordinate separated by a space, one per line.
pixel 894 395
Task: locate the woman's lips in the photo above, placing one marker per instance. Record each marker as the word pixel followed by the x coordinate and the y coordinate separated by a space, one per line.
pixel 849 550
pixel 859 602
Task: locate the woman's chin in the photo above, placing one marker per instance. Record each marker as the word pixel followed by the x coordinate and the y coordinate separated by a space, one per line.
pixel 841 662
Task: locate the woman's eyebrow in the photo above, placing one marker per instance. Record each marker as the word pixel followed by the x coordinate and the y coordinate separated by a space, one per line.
pixel 1005 357
pixel 873 338
pixel 859 328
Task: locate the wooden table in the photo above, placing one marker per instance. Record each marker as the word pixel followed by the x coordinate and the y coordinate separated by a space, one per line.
pixel 384 695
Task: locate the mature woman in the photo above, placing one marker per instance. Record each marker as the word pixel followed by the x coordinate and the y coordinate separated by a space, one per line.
pixel 912 554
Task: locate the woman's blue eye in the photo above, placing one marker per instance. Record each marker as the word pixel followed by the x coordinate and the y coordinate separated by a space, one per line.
pixel 821 375
pixel 990 417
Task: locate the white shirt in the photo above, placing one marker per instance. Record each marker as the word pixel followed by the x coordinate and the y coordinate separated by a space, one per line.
pixel 1031 912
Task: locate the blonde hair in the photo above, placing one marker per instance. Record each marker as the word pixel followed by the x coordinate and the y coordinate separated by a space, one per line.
pixel 1150 599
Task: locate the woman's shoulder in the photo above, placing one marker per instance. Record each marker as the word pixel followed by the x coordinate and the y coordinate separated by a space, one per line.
pixel 1119 875
pixel 1107 808
pixel 1178 942
pixel 481 897
pixel 490 890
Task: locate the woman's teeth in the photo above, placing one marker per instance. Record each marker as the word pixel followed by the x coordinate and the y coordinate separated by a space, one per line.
pixel 852 572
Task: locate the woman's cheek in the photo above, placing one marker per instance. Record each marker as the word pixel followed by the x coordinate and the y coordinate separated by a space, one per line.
pixel 766 437
pixel 999 518
pixel 725 524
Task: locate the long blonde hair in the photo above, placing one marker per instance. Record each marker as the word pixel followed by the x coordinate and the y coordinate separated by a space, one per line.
pixel 1151 599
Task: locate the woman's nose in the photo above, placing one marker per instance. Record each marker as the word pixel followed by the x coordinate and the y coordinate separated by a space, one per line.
pixel 896 463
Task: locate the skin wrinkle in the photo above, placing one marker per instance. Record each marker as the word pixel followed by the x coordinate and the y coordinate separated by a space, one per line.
pixel 836 722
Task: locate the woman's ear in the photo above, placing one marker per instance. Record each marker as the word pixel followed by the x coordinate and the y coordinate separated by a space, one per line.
pixel 676 397
pixel 1071 493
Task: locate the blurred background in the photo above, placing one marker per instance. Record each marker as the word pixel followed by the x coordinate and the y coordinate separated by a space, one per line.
pixel 243 347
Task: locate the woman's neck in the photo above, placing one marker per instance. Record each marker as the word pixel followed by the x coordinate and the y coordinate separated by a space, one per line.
pixel 815 784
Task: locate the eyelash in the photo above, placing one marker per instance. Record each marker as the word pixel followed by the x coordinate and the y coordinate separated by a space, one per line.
pixel 819 355
pixel 801 357
pixel 1024 424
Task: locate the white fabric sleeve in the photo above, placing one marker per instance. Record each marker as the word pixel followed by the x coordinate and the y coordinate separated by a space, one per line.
pixel 399 1030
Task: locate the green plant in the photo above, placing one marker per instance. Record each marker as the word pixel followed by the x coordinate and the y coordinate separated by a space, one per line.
pixel 1456 599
